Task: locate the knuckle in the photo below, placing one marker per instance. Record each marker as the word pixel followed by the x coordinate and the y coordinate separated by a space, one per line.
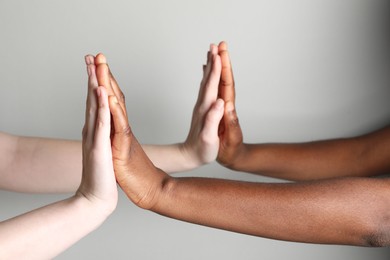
pixel 122 96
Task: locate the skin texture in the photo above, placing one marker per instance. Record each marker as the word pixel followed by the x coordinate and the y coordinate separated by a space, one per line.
pixel 41 165
pixel 45 232
pixel 348 210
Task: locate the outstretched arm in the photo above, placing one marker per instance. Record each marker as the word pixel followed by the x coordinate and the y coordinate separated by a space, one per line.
pixel 365 155
pixel 47 231
pixel 33 164
pixel 350 211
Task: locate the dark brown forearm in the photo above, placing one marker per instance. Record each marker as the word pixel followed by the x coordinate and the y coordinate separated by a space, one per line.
pixel 343 211
pixel 366 155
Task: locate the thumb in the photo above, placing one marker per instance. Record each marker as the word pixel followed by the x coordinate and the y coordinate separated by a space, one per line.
pixel 232 129
pixel 212 120
pixel 122 133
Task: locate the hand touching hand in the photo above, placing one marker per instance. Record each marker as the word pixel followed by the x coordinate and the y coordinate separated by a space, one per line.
pixel 231 146
pixel 98 180
pixel 135 173
pixel 202 142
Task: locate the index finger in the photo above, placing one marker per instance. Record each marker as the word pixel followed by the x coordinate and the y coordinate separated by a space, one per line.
pixel 226 84
pixel 102 73
pixel 118 92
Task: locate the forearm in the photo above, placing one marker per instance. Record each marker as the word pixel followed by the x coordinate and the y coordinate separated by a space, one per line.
pixel 48 231
pixel 360 156
pixel 44 165
pixel 343 211
pixel 35 164
pixel 171 158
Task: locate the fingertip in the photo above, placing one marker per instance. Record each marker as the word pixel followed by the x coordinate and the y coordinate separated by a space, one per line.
pixel 89 59
pixel 214 49
pixel 222 46
pixel 100 58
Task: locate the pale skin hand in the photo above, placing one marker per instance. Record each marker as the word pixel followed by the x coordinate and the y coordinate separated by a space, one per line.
pixel 202 142
pixel 46 232
pixel 31 164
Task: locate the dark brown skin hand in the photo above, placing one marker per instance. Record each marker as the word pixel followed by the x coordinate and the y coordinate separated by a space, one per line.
pixel 231 139
pixel 135 173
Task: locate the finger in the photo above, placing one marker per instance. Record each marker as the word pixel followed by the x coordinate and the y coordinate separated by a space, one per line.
pixel 211 87
pixel 103 74
pixel 118 92
pixel 122 134
pixel 231 124
pixel 226 84
pixel 100 59
pixel 222 46
pixel 207 70
pixel 91 103
pixel 212 120
pixel 102 126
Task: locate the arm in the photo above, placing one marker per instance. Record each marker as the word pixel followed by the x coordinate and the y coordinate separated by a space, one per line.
pixel 365 155
pixel 31 164
pixel 351 211
pixel 47 231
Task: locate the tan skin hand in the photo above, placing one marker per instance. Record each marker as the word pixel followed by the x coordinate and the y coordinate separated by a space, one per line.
pixel 135 173
pixel 230 134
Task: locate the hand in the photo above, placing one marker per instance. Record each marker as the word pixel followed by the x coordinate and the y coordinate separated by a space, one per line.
pixel 231 146
pixel 202 142
pixel 135 173
pixel 98 183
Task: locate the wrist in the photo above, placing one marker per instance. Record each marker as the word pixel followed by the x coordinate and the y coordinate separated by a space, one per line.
pixel 237 161
pixel 99 208
pixel 189 156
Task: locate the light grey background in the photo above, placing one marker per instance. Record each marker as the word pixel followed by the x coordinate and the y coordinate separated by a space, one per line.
pixel 304 70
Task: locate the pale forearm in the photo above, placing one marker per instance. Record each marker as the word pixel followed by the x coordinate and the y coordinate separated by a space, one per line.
pixel 48 231
pixel 40 164
pixel 44 165
pixel 344 211
pixel 171 158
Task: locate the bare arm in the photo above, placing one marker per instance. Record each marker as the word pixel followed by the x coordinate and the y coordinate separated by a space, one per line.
pixel 365 155
pixel 340 211
pixel 349 211
pixel 353 211
pixel 31 164
pixel 48 231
